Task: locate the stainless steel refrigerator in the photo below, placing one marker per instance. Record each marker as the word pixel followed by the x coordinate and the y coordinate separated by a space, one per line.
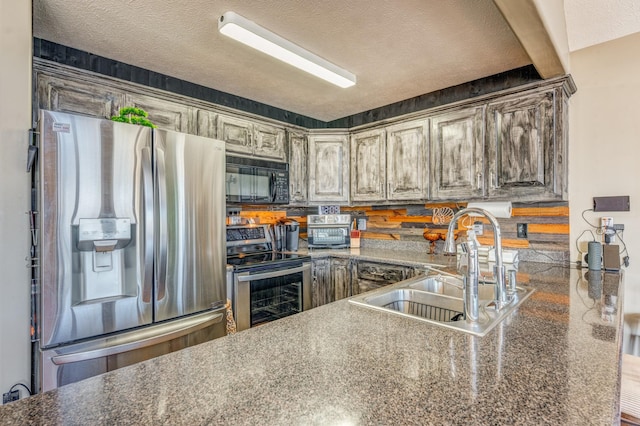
pixel 132 250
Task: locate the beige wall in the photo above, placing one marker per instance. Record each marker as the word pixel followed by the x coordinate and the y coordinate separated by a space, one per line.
pixel 15 120
pixel 604 143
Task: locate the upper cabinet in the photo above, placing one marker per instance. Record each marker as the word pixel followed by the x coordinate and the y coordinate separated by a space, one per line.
pixel 368 166
pixel 505 145
pixel 329 167
pixel 527 147
pixel 457 157
pixel 165 114
pixel 407 157
pixel 247 137
pixel 298 176
pixel 59 93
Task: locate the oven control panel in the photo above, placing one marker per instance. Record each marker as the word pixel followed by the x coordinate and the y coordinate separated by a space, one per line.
pixel 248 234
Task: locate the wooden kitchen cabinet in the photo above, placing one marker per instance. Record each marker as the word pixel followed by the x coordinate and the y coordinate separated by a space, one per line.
pixel 457 154
pixel 165 114
pixel 407 150
pixel 59 93
pixel 372 275
pixel 340 279
pixel 298 175
pixel 329 167
pixel 320 281
pixel 331 280
pixel 527 146
pixel 269 142
pixel 368 166
pixel 250 137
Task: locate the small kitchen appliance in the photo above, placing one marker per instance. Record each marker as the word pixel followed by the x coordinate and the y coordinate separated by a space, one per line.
pixel 286 234
pixel 329 230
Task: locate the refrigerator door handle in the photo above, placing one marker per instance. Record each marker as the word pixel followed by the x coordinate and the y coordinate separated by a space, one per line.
pixel 161 184
pixel 133 342
pixel 147 187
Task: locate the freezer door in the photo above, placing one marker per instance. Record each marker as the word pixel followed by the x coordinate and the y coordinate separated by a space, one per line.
pixel 190 224
pixel 96 253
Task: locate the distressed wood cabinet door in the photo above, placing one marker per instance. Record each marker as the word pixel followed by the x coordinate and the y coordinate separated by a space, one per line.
pixel 298 179
pixel 407 161
pixel 372 275
pixel 269 142
pixel 65 95
pixel 368 166
pixel 340 279
pixel 206 123
pixel 457 154
pixel 164 114
pixel 321 281
pixel 237 134
pixel 329 168
pixel 522 144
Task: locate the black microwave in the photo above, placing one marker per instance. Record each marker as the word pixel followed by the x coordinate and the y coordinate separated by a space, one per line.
pixel 252 180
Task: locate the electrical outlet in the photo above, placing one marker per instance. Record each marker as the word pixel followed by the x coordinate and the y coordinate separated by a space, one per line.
pixel 477 228
pixel 523 231
pixel 10 396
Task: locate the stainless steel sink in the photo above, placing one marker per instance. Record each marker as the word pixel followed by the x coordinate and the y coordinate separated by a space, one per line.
pixel 438 300
pixel 450 286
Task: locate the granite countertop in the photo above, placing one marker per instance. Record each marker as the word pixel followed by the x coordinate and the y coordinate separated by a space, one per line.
pixel 555 360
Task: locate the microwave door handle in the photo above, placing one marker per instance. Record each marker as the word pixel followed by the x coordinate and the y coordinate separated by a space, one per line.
pixel 273 187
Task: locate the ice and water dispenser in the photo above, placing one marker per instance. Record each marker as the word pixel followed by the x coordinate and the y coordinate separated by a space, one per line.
pixel 102 244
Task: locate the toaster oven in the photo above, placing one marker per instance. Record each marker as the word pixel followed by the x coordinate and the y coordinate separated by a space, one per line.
pixel 329 230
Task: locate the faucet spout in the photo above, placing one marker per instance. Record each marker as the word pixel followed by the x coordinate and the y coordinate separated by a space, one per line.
pixel 500 294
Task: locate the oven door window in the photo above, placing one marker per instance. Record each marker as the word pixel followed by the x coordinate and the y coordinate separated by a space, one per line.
pixel 239 183
pixel 274 298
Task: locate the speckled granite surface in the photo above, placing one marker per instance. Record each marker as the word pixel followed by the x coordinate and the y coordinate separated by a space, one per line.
pixel 553 361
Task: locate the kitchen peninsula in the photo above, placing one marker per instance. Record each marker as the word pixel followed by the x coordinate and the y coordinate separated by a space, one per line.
pixel 555 360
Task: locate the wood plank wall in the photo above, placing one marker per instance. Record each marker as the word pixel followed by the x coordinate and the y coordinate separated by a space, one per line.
pixel 547 223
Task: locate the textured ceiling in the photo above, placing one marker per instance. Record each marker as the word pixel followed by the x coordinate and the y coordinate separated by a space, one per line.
pixel 398 49
pixel 591 22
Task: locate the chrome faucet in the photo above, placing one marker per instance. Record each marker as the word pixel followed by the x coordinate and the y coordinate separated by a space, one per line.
pixel 469 267
pixel 472 271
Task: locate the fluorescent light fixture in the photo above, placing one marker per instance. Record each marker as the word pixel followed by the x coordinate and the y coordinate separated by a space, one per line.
pixel 248 32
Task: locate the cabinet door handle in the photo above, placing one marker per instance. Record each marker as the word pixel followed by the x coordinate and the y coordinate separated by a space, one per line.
pixel 479 179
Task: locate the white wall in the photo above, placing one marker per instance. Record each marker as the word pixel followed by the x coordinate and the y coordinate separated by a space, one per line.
pixel 604 144
pixel 15 120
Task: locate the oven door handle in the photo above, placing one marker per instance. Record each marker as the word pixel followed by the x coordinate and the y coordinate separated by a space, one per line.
pixel 274 274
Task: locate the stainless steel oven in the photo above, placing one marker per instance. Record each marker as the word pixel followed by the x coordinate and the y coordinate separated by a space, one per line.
pixel 266 285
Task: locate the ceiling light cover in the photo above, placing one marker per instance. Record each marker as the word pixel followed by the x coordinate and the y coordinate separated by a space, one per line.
pixel 248 32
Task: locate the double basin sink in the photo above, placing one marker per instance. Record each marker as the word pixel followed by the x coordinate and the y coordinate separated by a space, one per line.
pixel 438 299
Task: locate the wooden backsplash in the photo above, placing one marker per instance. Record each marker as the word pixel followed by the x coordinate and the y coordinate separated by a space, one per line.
pixel 547 223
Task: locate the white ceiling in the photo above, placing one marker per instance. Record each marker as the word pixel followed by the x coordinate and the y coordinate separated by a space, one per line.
pixel 591 22
pixel 398 49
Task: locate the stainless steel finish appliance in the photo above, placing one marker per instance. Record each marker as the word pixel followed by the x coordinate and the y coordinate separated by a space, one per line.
pixel 266 284
pixel 329 230
pixel 286 234
pixel 251 180
pixel 133 257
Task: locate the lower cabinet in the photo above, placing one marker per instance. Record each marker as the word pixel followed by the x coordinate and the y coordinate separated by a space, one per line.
pixel 372 275
pixel 331 280
pixel 335 278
